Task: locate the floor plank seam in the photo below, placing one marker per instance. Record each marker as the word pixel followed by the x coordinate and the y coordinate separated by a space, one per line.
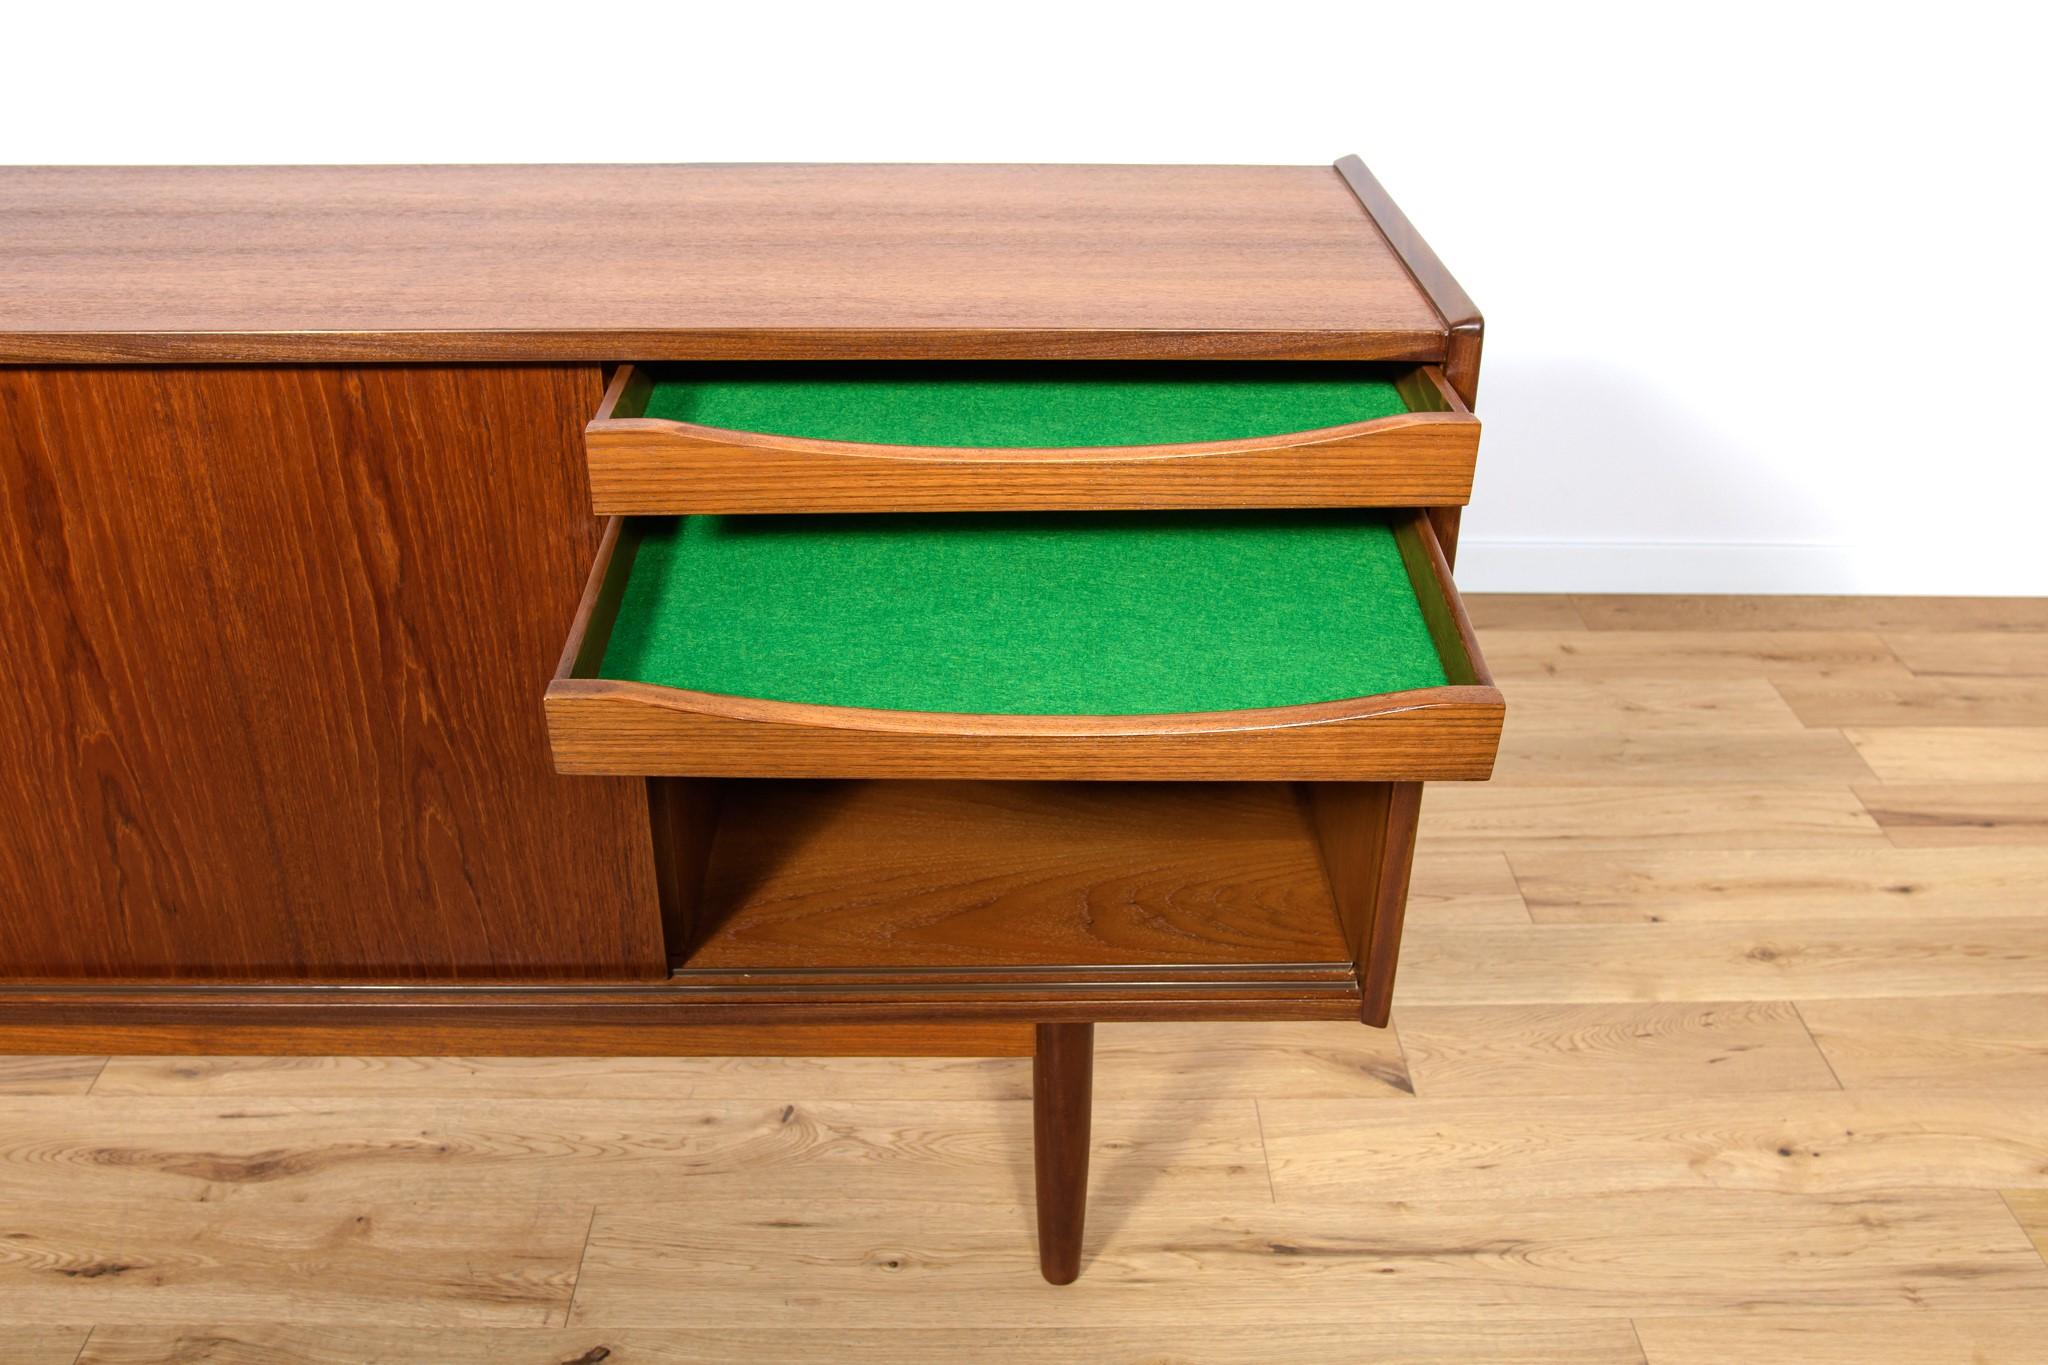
pixel 1265 1152
pixel 1841 732
pixel 1825 1060
pixel 2005 1198
pixel 1521 892
pixel 582 1259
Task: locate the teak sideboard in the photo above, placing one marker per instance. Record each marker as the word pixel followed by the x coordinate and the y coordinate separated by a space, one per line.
pixel 634 610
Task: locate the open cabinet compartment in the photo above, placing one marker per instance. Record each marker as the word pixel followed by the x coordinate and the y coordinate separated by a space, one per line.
pixel 1212 892
pixel 990 436
pixel 1228 863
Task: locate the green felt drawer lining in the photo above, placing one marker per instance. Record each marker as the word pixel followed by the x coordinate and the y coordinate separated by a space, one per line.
pixel 1101 613
pixel 1024 406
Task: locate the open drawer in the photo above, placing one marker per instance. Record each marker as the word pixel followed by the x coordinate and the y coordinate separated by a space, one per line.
pixel 737 438
pixel 1324 646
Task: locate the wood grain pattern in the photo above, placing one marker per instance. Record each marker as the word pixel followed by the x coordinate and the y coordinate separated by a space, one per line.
pixel 641 465
pixel 1659 1048
pixel 277 636
pixel 40 1345
pixel 536 1020
pixel 1492 611
pixel 1985 1042
pixel 1585 963
pixel 604 726
pixel 1540 756
pixel 49 1075
pixel 912 875
pixel 243 1024
pixel 1574 652
pixel 1366 831
pixel 1665 611
pixel 597 726
pixel 1464 327
pixel 1464 888
pixel 2030 1207
pixel 507 1260
pixel 593 1080
pixel 1671 1251
pixel 1914 1338
pixel 1781 886
pixel 1164 1064
pixel 1953 753
pixel 1595 1147
pixel 1586 709
pixel 1724 815
pixel 292 1153
pixel 1954 653
pixel 1210 1343
pixel 1959 814
pixel 1918 701
pixel 370 263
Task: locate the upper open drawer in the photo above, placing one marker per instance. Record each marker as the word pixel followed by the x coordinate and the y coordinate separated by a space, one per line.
pixel 860 437
pixel 1268 645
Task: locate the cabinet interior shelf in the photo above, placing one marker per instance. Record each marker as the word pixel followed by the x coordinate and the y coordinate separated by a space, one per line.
pixel 1216 891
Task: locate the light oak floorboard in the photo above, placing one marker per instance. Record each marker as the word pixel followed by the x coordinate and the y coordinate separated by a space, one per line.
pixel 1716 707
pixel 1911 1338
pixel 1782 886
pixel 1540 758
pixel 287 1155
pixel 1567 963
pixel 1966 653
pixel 29 1344
pixel 1954 753
pixel 1631 1050
pixel 1682 1251
pixel 1513 818
pixel 1987 1042
pixel 589 1078
pixel 2030 1206
pixel 1857 701
pixel 1958 814
pixel 1447 887
pixel 1155 1063
pixel 479 1260
pixel 1611 1342
pixel 1492 611
pixel 1657 611
pixel 70 1075
pixel 1511 1148
pixel 1593 655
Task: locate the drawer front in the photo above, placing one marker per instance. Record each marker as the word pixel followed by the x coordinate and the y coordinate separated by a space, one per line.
pixel 1414 444
pixel 628 725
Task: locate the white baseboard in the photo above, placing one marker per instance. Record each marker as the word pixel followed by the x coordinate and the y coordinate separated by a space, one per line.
pixel 1926 568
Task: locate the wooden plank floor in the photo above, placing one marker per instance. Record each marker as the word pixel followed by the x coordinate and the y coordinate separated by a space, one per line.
pixel 1722 1035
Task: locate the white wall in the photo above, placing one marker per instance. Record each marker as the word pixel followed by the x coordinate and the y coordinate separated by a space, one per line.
pixel 1764 286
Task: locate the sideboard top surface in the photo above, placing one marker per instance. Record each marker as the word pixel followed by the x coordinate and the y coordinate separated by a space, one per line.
pixel 544 263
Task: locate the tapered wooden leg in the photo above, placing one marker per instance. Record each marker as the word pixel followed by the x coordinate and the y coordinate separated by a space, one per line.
pixel 1062 1094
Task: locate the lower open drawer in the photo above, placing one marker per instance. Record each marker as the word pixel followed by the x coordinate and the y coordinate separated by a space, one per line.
pixel 1315 646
